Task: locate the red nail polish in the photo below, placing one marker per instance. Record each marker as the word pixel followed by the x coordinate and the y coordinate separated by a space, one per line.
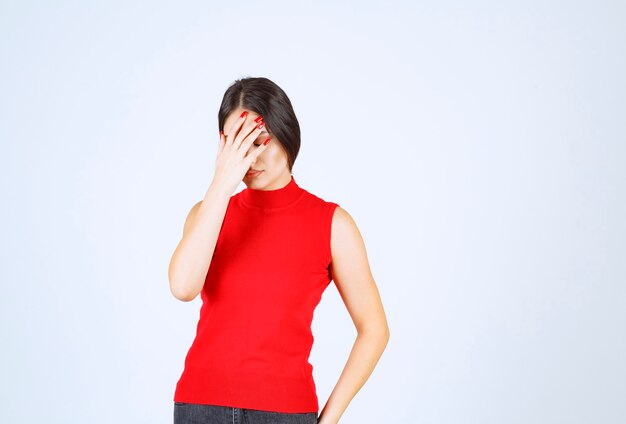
pixel 266 141
pixel 259 119
pixel 221 133
pixel 243 114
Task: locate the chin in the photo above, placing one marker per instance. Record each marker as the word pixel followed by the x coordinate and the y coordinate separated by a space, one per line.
pixel 256 181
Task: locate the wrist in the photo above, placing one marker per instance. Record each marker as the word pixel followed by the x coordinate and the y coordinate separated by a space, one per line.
pixel 218 190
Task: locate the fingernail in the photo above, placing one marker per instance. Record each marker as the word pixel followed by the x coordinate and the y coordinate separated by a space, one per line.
pixel 221 133
pixel 243 114
pixel 266 141
pixel 259 119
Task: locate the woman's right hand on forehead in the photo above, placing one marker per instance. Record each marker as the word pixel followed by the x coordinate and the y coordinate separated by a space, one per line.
pixel 233 160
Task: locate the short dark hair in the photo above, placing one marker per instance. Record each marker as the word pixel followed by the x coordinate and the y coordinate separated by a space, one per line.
pixel 264 97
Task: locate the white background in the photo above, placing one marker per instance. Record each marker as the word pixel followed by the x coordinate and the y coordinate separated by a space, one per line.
pixel 480 147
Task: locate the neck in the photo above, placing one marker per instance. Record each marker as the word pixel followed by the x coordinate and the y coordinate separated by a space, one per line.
pixel 275 198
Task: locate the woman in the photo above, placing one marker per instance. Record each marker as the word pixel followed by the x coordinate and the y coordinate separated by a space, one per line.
pixel 261 259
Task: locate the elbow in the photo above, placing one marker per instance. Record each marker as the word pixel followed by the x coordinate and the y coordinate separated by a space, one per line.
pixel 384 339
pixel 183 297
pixel 180 292
pixel 379 332
pixel 385 335
pixel 180 287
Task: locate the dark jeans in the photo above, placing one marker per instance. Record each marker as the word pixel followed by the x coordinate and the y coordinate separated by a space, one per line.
pixel 193 413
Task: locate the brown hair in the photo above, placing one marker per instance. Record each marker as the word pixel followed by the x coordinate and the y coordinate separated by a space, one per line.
pixel 262 96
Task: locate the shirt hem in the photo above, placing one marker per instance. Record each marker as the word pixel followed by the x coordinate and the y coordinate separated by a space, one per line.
pixel 247 389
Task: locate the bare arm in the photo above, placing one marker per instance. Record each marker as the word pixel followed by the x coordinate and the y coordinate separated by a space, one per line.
pixel 192 257
pixel 356 285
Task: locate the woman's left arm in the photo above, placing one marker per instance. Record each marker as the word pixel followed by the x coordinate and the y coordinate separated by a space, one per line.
pixel 357 288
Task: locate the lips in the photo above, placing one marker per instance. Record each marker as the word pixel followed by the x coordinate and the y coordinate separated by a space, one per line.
pixel 253 172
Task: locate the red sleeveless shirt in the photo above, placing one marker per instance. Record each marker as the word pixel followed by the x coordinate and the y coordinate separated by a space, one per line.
pixel 267 275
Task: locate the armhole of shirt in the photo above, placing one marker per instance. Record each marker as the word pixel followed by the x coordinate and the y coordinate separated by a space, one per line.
pixel 328 230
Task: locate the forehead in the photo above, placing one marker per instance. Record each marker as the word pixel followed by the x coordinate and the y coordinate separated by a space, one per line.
pixel 234 115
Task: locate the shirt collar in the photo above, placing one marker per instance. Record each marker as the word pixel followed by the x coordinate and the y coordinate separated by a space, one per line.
pixel 276 198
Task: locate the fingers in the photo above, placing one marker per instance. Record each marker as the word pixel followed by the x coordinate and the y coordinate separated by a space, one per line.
pixel 260 128
pixel 246 131
pixel 233 132
pixel 222 142
pixel 258 151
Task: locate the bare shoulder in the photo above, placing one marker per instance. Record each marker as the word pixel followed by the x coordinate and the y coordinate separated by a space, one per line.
pixel 344 230
pixel 345 238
